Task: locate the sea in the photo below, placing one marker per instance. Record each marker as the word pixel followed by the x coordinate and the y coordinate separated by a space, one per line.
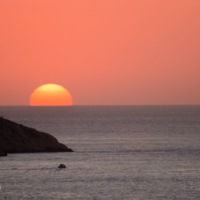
pixel 120 153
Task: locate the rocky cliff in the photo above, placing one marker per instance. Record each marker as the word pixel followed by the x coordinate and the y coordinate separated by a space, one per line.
pixel 16 138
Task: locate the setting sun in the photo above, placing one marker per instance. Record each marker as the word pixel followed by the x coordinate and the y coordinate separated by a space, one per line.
pixel 50 95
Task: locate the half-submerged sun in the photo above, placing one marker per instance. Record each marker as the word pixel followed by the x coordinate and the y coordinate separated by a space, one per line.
pixel 50 95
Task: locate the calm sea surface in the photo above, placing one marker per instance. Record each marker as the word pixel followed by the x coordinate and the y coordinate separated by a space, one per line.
pixel 121 152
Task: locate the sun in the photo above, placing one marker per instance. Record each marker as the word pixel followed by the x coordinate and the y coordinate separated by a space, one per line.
pixel 50 95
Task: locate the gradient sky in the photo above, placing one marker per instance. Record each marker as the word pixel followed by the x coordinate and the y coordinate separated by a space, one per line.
pixel 105 52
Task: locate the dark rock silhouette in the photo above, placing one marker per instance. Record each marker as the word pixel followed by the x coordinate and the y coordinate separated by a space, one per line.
pixel 16 138
pixel 2 153
pixel 61 166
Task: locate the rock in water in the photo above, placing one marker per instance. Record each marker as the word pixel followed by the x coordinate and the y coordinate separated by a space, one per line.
pixel 16 138
pixel 61 166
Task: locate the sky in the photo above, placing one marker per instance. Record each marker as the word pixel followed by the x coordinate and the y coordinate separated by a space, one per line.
pixel 104 52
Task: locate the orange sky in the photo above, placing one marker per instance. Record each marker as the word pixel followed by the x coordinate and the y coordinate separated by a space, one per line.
pixel 105 52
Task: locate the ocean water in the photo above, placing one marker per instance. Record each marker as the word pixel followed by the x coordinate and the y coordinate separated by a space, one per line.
pixel 121 152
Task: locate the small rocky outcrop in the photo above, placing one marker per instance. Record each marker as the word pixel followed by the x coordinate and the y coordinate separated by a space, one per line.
pixel 61 166
pixel 16 138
